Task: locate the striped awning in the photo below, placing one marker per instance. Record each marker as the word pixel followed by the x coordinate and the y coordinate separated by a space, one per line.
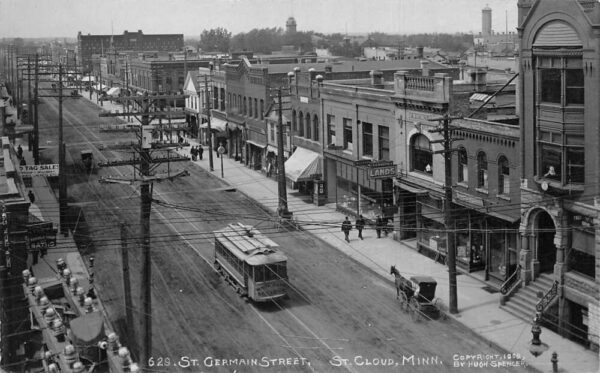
pixel 303 165
pixel 216 124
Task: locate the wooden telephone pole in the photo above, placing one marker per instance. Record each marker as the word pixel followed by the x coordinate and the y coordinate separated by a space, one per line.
pixel 146 165
pixel 281 187
pixel 446 131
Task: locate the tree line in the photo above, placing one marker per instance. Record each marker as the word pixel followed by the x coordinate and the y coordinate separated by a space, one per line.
pixel 268 40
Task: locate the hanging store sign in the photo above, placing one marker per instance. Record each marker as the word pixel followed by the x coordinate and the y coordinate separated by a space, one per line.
pixel 39 170
pixel 382 172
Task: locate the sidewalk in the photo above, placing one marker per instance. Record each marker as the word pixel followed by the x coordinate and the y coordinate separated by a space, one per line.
pixel 479 310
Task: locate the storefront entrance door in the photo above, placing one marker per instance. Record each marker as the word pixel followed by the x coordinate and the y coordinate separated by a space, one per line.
pixel 546 250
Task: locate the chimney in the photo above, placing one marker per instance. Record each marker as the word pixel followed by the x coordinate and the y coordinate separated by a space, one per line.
pixel 425 67
pixel 376 78
pixel 419 52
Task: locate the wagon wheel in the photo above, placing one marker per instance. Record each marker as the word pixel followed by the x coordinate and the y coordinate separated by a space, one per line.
pixel 403 301
pixel 415 310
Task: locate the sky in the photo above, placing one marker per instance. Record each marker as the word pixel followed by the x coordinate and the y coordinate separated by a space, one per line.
pixel 64 18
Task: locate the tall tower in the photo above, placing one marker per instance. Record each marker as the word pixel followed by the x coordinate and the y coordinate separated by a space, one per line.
pixel 290 26
pixel 486 21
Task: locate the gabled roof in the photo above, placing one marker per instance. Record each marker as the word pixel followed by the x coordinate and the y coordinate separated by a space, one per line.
pixel 191 81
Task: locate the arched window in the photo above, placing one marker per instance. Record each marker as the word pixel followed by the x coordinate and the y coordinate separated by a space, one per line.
pixel 250 107
pixel 245 106
pixel 482 171
pixel 422 156
pixel 255 108
pixel 300 124
pixel 503 176
pixel 463 169
pixel 316 128
pixel 308 126
pixel 294 123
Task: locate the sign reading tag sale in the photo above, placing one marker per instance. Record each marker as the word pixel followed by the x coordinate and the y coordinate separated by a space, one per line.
pixel 39 170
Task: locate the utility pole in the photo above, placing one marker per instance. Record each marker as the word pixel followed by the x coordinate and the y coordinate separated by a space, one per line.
pixel 210 147
pixel 146 168
pixel 127 285
pixel 36 132
pixel 281 187
pixel 450 243
pixel 62 185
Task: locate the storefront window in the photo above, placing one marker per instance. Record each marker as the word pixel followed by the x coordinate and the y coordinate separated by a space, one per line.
pixel 503 176
pixel 330 129
pixel 384 143
pixel 482 171
pixel 432 234
pixel 367 139
pixel 347 134
pixel 422 156
pixel 463 170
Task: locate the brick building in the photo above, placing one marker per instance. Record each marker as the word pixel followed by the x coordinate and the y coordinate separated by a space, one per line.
pixel 560 234
pixel 129 41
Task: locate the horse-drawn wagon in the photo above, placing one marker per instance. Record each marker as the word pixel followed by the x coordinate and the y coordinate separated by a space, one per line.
pixel 417 295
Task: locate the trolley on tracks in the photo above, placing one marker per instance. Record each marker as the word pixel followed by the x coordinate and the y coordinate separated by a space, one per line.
pixel 251 263
pixel 417 295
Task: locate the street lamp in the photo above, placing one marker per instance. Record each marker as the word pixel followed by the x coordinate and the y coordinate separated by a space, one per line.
pixel 221 151
pixel 537 347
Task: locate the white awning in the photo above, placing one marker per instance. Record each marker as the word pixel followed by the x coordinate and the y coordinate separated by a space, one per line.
pixel 272 148
pixel 302 165
pixel 216 124
pixel 257 144
pixel 100 86
pixel 88 79
pixel 114 91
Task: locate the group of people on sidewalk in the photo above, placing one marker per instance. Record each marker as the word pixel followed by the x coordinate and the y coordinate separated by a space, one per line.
pixel 380 225
pixel 197 152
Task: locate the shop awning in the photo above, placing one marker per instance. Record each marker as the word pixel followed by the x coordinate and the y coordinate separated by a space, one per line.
pixel 216 124
pixel 272 148
pixel 101 87
pixel 114 91
pixel 257 144
pixel 409 188
pixel 302 165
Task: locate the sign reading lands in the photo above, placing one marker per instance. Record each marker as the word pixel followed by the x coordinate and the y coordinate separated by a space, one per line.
pixel 39 170
pixel 382 172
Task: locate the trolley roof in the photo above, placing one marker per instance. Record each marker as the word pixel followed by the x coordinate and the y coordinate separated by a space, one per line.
pixel 249 244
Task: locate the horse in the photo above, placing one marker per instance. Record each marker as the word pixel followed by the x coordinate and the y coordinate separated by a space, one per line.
pixel 402 284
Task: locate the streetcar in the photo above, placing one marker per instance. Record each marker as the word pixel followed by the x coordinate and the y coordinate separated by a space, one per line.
pixel 251 263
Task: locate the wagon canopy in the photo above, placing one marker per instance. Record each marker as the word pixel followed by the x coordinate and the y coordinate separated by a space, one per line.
pixel 427 287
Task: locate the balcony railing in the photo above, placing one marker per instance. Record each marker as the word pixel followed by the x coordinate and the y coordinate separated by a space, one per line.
pixel 421 83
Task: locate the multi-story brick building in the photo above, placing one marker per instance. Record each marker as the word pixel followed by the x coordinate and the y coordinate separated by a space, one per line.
pixel 162 74
pixel 129 41
pixel 560 233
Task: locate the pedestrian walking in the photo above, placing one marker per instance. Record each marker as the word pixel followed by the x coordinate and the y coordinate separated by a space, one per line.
pixel 200 151
pixel 31 197
pixel 269 169
pixel 194 153
pixel 34 254
pixel 346 228
pixel 20 151
pixel 378 226
pixel 360 225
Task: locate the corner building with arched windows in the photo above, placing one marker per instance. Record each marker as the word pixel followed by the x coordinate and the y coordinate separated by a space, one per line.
pixel 560 181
